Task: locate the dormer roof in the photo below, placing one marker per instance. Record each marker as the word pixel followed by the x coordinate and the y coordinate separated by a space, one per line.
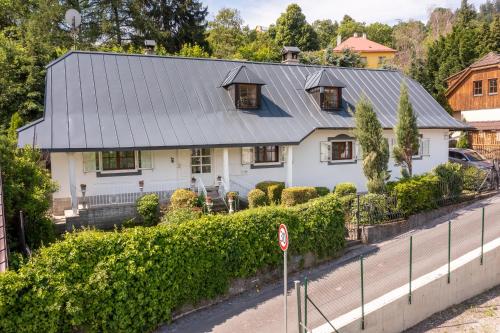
pixel 241 74
pixel 322 78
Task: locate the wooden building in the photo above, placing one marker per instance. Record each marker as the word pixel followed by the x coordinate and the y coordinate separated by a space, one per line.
pixel 473 95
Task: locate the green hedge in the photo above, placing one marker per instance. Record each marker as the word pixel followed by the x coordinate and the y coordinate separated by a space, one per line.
pixel 474 178
pixel 272 189
pixel 342 189
pixel 183 198
pixel 256 198
pixel 322 191
pixel 292 196
pixel 418 193
pixel 148 208
pixel 131 281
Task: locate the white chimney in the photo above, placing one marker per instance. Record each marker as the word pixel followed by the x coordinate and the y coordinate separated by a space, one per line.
pixel 290 55
pixel 356 35
pixel 339 40
pixel 364 35
pixel 149 46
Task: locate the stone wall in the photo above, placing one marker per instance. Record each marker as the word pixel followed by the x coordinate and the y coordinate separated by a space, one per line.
pixel 105 217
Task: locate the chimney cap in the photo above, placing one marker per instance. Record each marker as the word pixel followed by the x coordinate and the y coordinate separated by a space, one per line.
pixel 293 49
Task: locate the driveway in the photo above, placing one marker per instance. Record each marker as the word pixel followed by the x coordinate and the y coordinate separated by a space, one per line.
pixel 335 287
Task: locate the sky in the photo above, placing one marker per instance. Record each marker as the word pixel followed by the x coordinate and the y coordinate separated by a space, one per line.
pixel 265 12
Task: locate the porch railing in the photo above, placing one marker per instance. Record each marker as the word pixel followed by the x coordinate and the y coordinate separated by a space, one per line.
pixel 240 186
pixel 128 193
pixel 201 189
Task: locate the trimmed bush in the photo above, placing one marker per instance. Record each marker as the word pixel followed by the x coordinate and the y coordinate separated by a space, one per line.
pixel 292 196
pixel 322 191
pixel 342 189
pixel 256 198
pixel 148 207
pixel 182 198
pixel 418 193
pixel 274 193
pixel 131 281
pixel 473 178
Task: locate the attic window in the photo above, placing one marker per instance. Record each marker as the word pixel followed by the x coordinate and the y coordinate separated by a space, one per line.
pixel 247 96
pixel 328 98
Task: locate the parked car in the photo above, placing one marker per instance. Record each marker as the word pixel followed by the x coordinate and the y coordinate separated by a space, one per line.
pixel 469 158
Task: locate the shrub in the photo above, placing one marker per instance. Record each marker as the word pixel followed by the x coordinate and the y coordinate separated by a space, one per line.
pixel 182 198
pixel 181 215
pixel 257 198
pixel 322 191
pixel 148 208
pixel 473 178
pixel 342 189
pixel 373 209
pixel 451 179
pixel 133 280
pixel 292 196
pixel 275 192
pixel 417 194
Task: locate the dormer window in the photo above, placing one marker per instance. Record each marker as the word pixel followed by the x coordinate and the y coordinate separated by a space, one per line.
pixel 247 96
pixel 325 89
pixel 244 87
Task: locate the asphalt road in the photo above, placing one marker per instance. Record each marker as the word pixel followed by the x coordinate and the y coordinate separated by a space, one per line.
pixel 335 287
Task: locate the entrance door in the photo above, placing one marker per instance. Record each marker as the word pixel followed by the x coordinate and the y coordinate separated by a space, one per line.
pixel 201 165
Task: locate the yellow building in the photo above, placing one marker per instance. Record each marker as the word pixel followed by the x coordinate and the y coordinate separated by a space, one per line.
pixel 373 55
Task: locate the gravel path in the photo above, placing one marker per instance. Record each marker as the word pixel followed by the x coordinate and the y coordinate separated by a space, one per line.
pixel 479 314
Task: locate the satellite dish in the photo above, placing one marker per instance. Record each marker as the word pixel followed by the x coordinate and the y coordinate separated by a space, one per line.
pixel 73 18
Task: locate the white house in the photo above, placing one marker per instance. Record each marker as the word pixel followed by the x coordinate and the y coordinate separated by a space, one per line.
pixel 125 124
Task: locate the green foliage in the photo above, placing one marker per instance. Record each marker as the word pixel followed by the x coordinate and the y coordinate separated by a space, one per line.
pixel 292 29
pixel 417 194
pixel 348 26
pixel 343 189
pixel 193 51
pixel 463 141
pixel 181 215
pixel 27 187
pixel 373 209
pixel 292 196
pixel 473 178
pixel 326 30
pixel 347 58
pixel 373 144
pixel 259 47
pixel 406 131
pixel 322 191
pixel 148 207
pixel 183 198
pixel 257 198
pixel 133 280
pixel 451 176
pixel 380 33
pixel 225 34
pixel 272 195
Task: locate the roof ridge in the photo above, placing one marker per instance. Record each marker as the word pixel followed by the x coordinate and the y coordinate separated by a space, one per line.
pixel 240 61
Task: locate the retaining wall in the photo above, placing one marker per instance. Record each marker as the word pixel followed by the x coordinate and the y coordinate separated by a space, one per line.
pixel 431 293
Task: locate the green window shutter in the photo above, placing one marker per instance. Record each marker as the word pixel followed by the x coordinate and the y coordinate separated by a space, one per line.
pixel 90 162
pixel 145 159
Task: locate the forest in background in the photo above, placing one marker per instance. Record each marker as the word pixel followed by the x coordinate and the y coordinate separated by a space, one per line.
pixel 33 33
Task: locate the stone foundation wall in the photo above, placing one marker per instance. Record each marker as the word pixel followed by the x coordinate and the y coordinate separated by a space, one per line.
pixel 59 205
pixel 105 217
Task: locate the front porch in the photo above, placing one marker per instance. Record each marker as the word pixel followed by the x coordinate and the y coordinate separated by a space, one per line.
pixel 202 170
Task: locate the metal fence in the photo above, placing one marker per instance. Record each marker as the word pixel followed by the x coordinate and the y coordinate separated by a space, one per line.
pixel 366 278
pixel 3 232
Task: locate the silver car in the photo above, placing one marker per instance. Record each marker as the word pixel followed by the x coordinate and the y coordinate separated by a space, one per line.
pixel 469 158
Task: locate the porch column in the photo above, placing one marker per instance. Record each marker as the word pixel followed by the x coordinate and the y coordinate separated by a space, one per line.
pixel 289 163
pixel 225 168
pixel 72 182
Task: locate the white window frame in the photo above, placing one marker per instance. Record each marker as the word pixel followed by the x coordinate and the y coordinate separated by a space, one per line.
pixel 136 164
pixel 251 161
pixel 355 149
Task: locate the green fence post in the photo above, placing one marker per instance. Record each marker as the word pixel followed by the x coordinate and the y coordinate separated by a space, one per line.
pixel 362 296
pixel 299 307
pixel 411 262
pixel 449 249
pixel 305 305
pixel 358 234
pixel 482 236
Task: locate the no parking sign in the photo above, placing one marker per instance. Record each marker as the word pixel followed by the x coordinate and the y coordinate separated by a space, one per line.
pixel 283 237
pixel 283 242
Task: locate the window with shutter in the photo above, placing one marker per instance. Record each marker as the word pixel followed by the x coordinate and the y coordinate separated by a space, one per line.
pixel 325 151
pixel 90 162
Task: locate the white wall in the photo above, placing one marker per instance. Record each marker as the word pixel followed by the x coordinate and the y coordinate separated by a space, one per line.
pixel 481 115
pixel 307 168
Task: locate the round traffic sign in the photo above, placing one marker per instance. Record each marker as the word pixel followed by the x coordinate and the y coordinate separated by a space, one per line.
pixel 283 237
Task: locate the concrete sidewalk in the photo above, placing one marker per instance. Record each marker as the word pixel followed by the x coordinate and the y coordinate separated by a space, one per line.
pixel 334 286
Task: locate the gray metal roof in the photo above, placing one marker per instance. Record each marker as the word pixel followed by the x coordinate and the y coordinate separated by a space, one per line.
pixel 98 101
pixel 241 74
pixel 322 78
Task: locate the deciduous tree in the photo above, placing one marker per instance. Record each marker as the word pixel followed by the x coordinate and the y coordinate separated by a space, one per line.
pixel 292 29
